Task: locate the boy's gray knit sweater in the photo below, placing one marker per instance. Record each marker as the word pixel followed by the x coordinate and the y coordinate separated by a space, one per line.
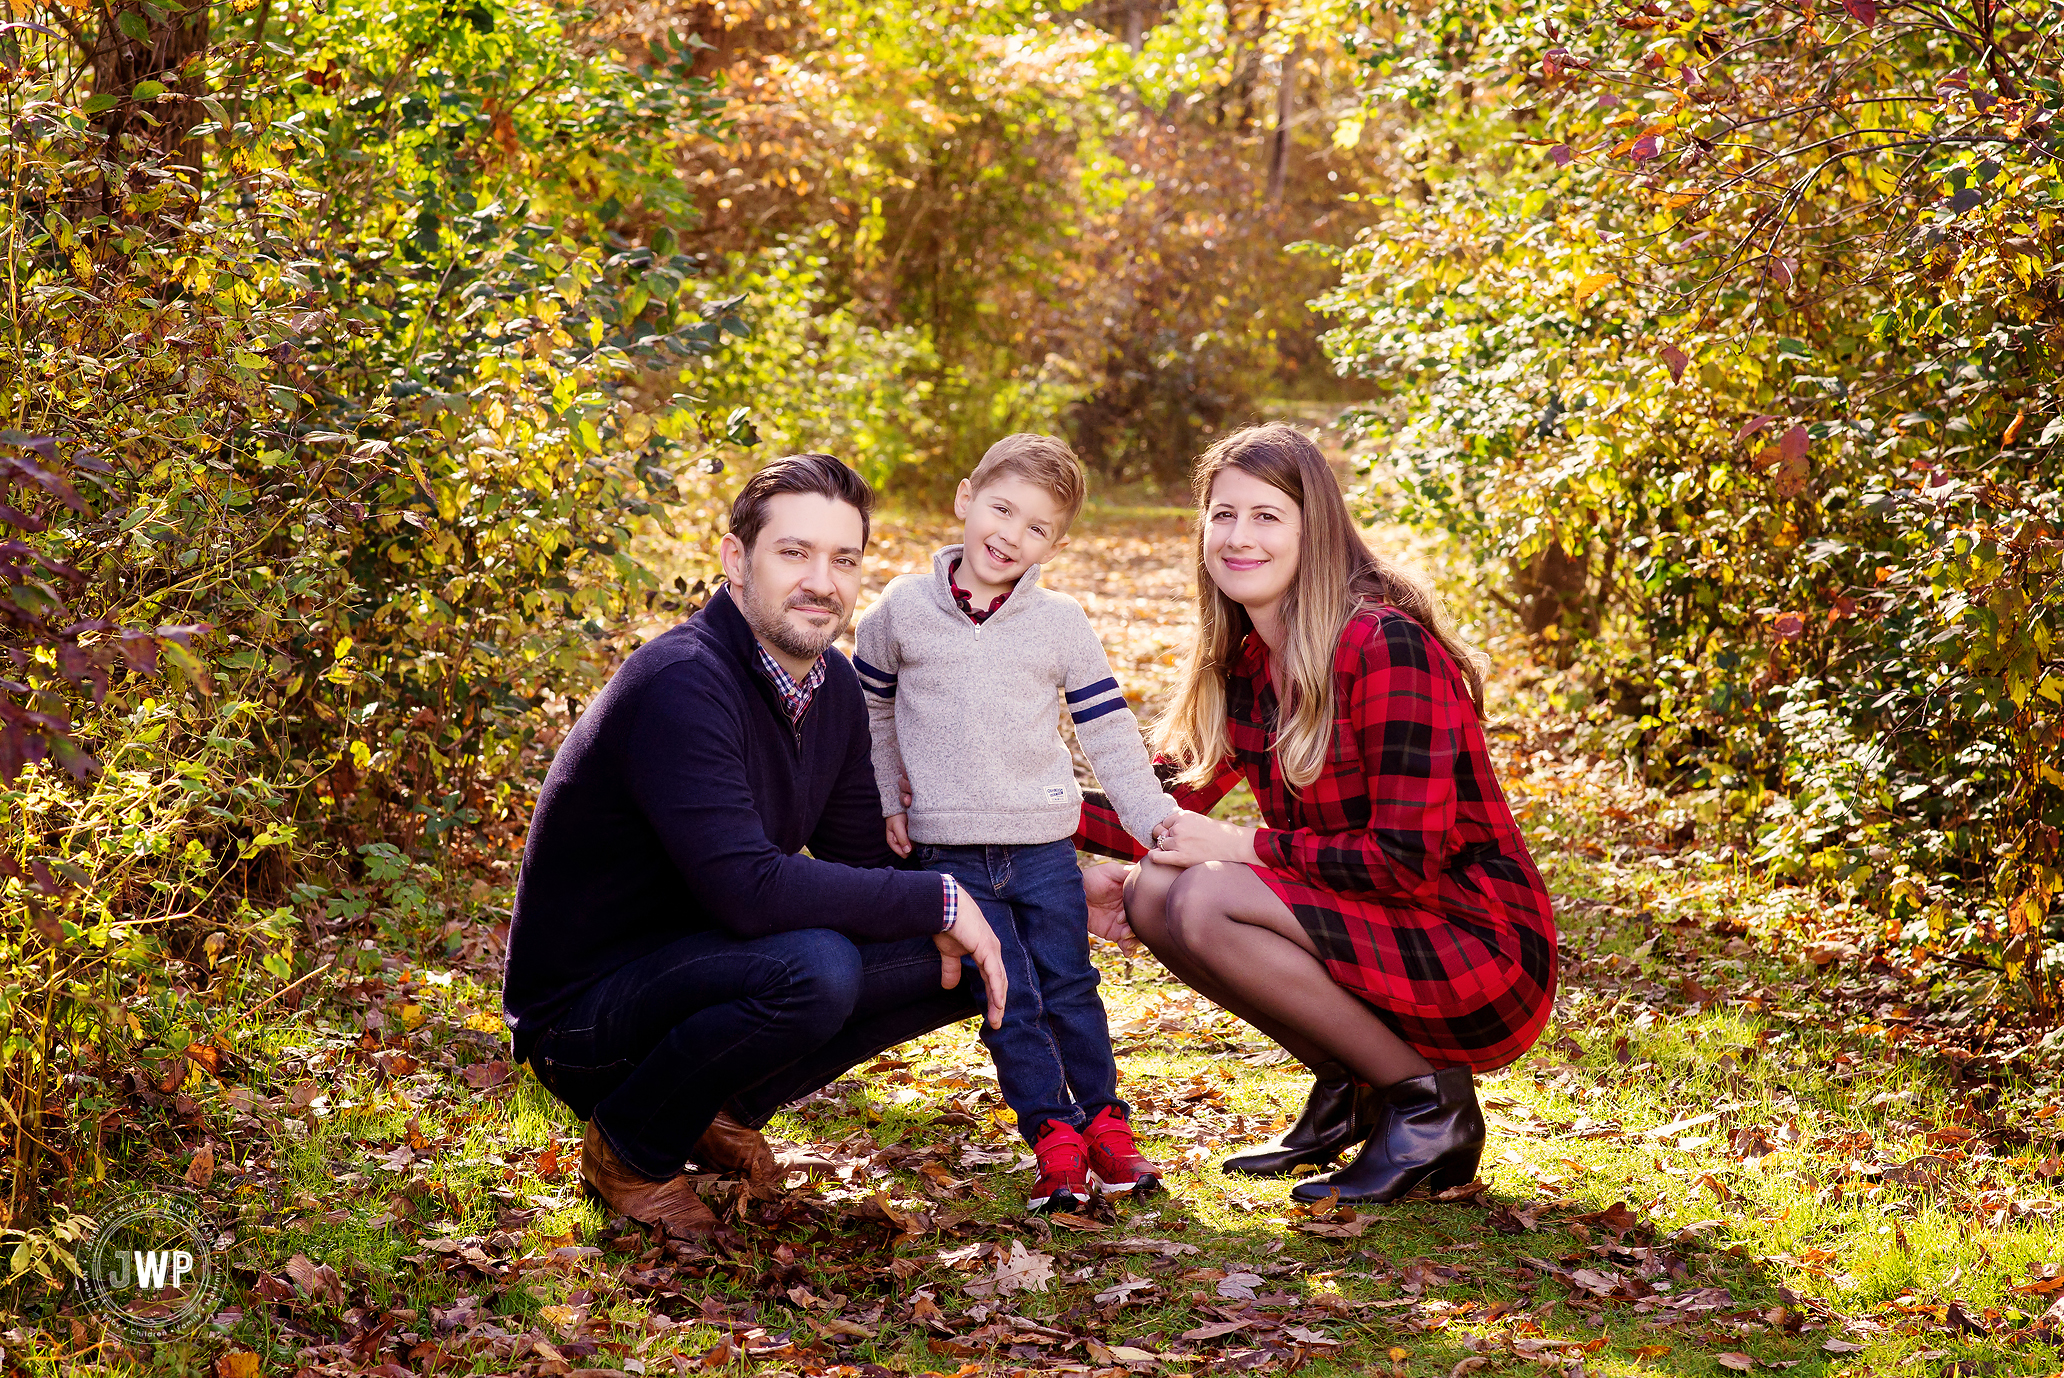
pixel 972 713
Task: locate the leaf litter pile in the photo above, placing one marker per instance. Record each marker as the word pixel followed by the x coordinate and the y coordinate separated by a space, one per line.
pixel 1751 1140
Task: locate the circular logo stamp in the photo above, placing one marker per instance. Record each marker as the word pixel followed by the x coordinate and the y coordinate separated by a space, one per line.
pixel 148 1269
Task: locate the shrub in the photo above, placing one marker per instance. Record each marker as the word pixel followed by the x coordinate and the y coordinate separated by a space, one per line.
pixel 1732 334
pixel 328 458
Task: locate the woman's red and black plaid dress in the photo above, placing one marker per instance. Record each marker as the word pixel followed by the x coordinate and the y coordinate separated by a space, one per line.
pixel 1401 860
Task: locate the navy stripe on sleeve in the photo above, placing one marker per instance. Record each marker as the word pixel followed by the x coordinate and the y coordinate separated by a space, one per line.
pixel 1091 714
pixel 864 668
pixel 887 693
pixel 1090 691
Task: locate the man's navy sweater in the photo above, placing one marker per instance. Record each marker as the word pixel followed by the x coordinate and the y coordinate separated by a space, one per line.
pixel 679 803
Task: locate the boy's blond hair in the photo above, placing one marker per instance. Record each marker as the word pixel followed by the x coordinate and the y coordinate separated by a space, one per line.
pixel 1042 459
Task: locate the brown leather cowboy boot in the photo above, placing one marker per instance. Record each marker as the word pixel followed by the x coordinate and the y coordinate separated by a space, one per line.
pixel 672 1205
pixel 729 1146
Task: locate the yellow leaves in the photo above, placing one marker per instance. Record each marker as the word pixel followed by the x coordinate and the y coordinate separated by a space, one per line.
pixel 1592 283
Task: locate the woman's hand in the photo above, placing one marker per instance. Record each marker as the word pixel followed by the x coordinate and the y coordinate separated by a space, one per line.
pixel 1191 839
pixel 1103 886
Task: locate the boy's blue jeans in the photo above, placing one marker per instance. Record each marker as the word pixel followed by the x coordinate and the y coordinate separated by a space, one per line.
pixel 1053 1054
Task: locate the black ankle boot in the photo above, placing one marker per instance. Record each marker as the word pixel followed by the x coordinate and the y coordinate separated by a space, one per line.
pixel 1429 1130
pixel 1338 1114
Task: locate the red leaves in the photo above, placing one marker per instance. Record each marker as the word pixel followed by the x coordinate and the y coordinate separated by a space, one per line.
pixel 19 471
pixel 1784 462
pixel 1676 360
pixel 1789 480
pixel 1641 147
pixel 1562 154
pixel 1616 1219
pixel 1864 12
pixel 1794 444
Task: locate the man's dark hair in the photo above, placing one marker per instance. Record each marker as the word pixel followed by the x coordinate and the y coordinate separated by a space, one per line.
pixel 804 473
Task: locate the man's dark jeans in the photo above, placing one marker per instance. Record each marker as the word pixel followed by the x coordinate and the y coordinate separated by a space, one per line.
pixel 1053 1054
pixel 655 1049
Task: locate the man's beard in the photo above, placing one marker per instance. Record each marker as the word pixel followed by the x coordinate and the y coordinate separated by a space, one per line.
pixel 772 627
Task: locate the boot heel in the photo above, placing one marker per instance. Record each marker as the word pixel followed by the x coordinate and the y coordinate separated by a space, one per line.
pixel 1456 1170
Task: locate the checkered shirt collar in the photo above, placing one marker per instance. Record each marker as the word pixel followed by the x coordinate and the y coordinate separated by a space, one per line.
pixel 795 697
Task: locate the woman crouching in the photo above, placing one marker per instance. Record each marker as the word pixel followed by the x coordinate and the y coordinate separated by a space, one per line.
pixel 1386 926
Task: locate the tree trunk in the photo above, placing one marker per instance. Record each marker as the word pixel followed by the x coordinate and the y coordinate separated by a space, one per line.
pixel 1286 99
pixel 132 48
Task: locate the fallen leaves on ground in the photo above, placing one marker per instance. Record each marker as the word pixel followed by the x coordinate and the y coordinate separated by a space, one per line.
pixel 396 1197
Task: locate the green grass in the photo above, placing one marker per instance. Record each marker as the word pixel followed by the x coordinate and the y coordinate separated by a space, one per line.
pixel 1809 1239
pixel 1880 1171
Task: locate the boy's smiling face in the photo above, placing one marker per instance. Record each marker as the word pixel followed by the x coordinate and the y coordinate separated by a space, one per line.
pixel 1009 526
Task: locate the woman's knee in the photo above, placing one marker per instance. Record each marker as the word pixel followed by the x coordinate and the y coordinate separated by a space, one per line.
pixel 1195 901
pixel 1146 898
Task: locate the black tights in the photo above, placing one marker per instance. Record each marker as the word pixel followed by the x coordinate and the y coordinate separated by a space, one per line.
pixel 1229 938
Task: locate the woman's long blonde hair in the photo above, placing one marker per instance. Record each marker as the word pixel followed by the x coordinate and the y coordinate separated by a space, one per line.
pixel 1337 576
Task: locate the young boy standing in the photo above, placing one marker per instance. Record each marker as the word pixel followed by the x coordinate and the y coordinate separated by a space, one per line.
pixel 966 670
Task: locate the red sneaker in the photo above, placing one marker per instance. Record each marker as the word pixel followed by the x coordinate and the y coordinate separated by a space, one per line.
pixel 1063 1171
pixel 1114 1158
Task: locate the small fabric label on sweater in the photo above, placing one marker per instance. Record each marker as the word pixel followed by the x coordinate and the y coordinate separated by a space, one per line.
pixel 1056 793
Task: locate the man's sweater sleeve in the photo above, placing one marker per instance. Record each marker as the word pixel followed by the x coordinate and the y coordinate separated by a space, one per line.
pixel 690 783
pixel 1110 737
pixel 876 658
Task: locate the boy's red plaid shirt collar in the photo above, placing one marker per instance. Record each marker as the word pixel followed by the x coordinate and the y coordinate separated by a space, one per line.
pixel 795 697
pixel 967 600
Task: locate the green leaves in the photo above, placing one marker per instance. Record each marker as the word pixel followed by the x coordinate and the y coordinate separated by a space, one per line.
pixel 1786 568
pixel 327 473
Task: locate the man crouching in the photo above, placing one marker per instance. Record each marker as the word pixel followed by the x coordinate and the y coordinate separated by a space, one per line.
pixel 677 969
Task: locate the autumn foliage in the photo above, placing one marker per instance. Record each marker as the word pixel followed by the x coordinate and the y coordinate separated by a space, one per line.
pixel 374 377
pixel 1731 335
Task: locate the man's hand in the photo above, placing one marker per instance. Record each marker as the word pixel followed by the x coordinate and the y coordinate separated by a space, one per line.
pixel 971 936
pixel 1103 886
pixel 1190 839
pixel 899 832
